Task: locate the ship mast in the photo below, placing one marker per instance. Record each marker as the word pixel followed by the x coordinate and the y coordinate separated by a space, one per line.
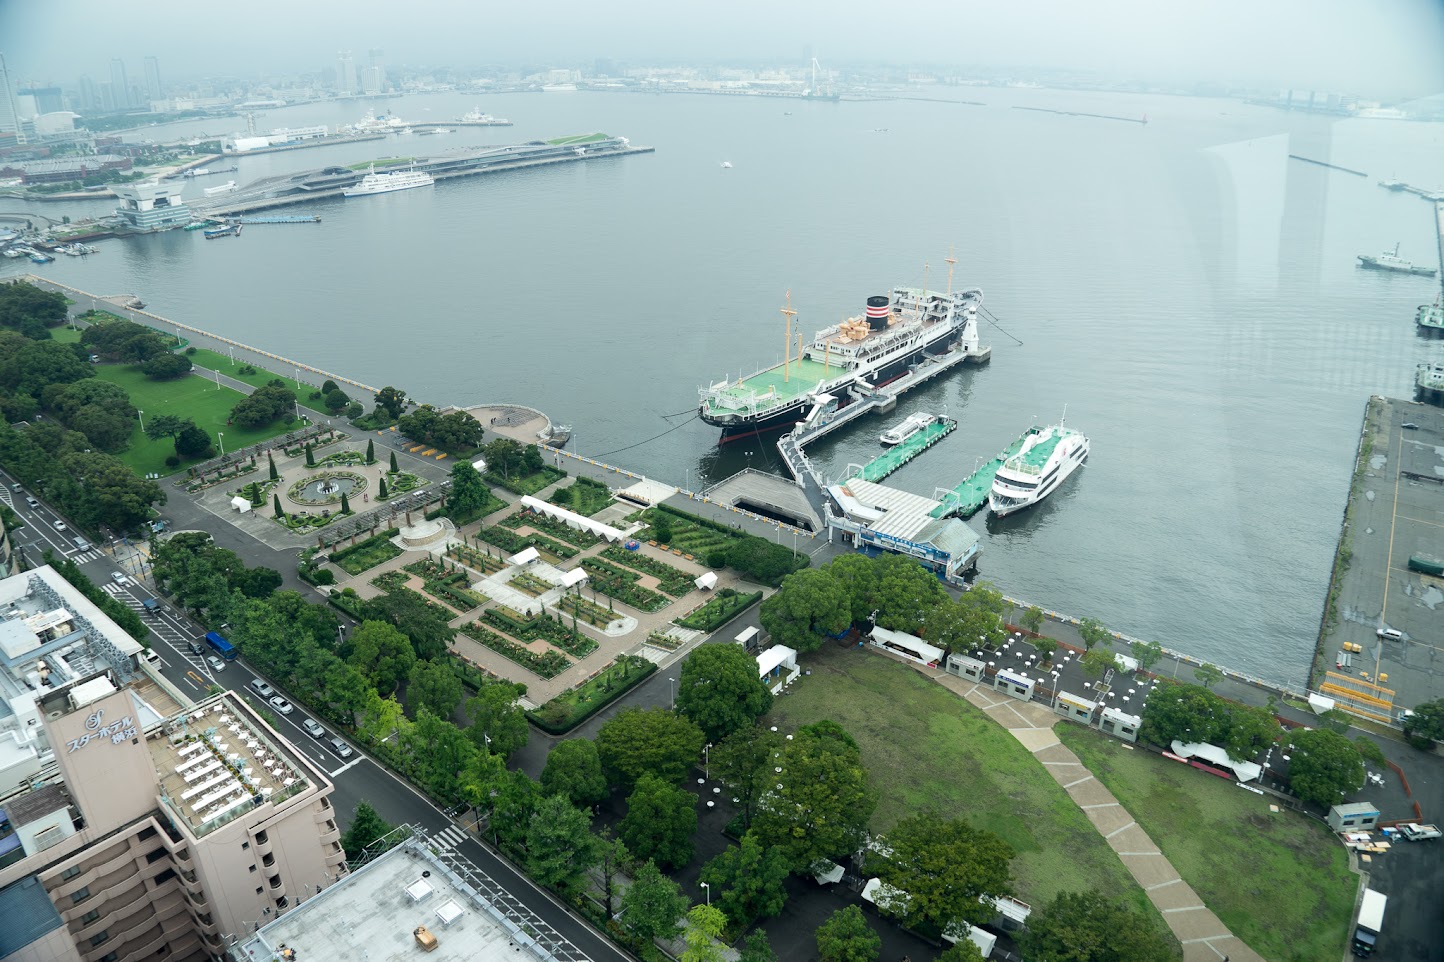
pixel 788 313
pixel 951 261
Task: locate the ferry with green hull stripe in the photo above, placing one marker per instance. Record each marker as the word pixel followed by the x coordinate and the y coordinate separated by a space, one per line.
pixel 1430 318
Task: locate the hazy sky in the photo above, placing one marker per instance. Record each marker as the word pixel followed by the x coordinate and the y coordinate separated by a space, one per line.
pixel 1384 48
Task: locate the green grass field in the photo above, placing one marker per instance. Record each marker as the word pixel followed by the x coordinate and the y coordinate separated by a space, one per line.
pixel 188 397
pixel 927 750
pixel 577 139
pixel 222 362
pixel 1278 881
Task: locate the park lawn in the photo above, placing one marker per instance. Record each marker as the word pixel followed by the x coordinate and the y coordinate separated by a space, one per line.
pixel 65 335
pixel 929 751
pixel 1278 881
pixel 187 397
pixel 222 362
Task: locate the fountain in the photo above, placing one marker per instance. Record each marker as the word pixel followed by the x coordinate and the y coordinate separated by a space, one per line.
pixel 327 488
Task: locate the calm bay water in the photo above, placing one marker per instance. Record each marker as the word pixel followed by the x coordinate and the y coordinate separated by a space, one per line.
pixel 1186 290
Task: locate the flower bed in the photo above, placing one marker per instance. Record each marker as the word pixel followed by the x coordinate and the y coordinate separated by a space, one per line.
pixel 512 542
pixel 343 457
pixel 479 560
pixel 404 481
pixel 531 584
pixel 542 627
pixel 588 611
pixel 557 529
pixel 720 609
pixel 547 665
pixel 449 587
pixel 366 554
pixel 660 639
pixel 620 584
pixel 585 496
pixel 673 581
pixel 569 709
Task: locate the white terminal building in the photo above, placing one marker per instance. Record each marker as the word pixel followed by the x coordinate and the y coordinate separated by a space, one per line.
pixel 152 205
pixel 135 824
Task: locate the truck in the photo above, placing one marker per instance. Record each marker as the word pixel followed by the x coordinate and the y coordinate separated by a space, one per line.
pixel 1415 832
pixel 223 648
pixel 1370 923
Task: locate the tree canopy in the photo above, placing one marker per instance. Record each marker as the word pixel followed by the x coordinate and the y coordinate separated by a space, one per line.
pixel 1090 927
pixel 652 904
pixel 381 653
pixel 453 431
pixel 743 761
pixel 30 310
pixel 720 690
pixel 560 846
pixel 810 604
pixel 747 882
pixel 366 828
pixel 1324 766
pixel 661 820
pixel 945 867
pixel 574 771
pixel 1425 725
pixel 846 937
pixel 264 405
pixel 820 804
pixel 640 741
pixel 391 401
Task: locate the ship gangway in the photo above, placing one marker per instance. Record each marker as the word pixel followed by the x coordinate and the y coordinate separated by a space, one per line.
pixel 965 499
pixel 893 458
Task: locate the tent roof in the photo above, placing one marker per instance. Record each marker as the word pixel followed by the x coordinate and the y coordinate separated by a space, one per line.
pixel 773 657
pixel 574 577
pixel 524 557
pixel 706 579
pixel 911 642
pixel 579 521
pixel 1245 771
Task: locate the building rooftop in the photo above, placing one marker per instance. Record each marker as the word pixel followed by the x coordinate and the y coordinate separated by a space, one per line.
pixel 28 914
pixel 24 809
pixel 374 914
pixel 214 762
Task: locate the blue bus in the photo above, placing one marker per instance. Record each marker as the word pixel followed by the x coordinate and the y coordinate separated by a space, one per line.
pixel 223 648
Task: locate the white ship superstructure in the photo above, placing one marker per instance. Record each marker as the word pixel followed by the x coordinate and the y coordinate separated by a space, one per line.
pixel 374 183
pixel 1047 457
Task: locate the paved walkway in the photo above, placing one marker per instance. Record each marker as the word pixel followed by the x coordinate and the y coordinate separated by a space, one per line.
pixel 1204 937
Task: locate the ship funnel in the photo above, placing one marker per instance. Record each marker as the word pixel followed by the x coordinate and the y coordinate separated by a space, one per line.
pixel 877 312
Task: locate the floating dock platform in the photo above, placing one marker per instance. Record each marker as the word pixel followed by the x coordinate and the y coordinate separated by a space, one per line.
pixel 278 219
pixel 894 458
pixel 972 494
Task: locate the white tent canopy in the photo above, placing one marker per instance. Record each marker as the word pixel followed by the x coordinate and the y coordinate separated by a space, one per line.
pixel 774 658
pixel 570 518
pixel 1213 754
pixel 706 580
pixel 243 505
pixel 574 577
pixel 909 646
pixel 524 557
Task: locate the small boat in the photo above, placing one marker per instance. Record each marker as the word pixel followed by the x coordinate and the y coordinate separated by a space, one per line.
pixel 1390 183
pixel 1429 318
pixel 899 433
pixel 12 252
pixel 1045 460
pixel 1391 261
pixel 229 230
pixel 557 435
pixel 434 130
pixel 726 164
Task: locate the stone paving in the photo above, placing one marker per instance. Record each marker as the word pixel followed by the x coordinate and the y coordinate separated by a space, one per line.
pixel 1203 936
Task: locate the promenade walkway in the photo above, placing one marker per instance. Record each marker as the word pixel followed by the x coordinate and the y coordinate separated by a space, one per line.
pixel 1203 936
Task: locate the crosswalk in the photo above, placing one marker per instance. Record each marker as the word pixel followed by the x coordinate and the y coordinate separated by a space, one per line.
pixel 5 497
pixel 119 593
pixel 448 838
pixel 160 627
pixel 85 556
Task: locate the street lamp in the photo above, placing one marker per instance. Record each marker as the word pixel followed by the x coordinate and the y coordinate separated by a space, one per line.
pixel 706 760
pixel 222 436
pixel 672 688
pixel 142 419
pixel 709 891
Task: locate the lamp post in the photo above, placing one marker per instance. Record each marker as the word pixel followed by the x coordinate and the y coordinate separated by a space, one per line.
pixel 222 436
pixel 142 420
pixel 709 891
pixel 672 688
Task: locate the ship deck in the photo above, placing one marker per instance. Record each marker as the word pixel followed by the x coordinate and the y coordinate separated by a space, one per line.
pixel 802 377
pixel 893 458
pixel 1038 455
pixel 972 493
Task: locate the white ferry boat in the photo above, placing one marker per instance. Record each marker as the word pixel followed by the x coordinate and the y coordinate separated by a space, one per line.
pixel 374 183
pixel 899 433
pixel 1047 457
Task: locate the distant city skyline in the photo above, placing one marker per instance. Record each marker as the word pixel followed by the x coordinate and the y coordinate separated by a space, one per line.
pixel 1387 52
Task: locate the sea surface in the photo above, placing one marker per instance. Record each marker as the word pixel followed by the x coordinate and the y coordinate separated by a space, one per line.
pixel 1184 289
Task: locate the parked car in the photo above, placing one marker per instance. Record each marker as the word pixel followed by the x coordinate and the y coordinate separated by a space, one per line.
pixel 281 705
pixel 216 664
pixel 313 728
pixel 196 647
pixel 261 688
pixel 340 748
pixel 1415 832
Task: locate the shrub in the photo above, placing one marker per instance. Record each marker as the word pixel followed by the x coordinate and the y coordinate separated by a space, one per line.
pixel 190 352
pixel 171 461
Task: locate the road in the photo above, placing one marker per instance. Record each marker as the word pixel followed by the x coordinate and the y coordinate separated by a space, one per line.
pixel 356 778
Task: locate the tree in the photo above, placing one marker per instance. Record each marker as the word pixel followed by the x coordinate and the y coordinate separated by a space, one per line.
pixel 382 492
pixel 612 855
pixel 531 459
pixel 381 653
pixel 503 456
pixel 1093 633
pixel 469 492
pixel 335 400
pixel 271 467
pixel 704 924
pixel 1032 619
pixel 720 690
pixel 276 508
pixel 257 582
pixel 264 405
pixel 821 802
pixel 394 468
pixel 652 904
pixel 756 948
pixel 1370 752
pixel 166 426
pixel 435 753
pixel 329 385
pixel 1425 724
pixel 959 625
pixel 809 605
pixel 310 455
pixel 391 400
pixel 105 429
pixel 1324 766
pixel 70 398
pixel 498 721
pixel 1097 661
pixel 166 367
pixel 1250 731
pixel 574 771
pixel 366 828
pixel 1090 927
pixel 903 591
pixel 846 937
pixel 193 442
pixel 661 820
pixel 1207 675
pixel 1146 653
pixel 1187 713
pixel 560 847
pixel 345 503
pixel 370 451
pixel 640 741
pixel 38 364
pixel 113 495
pixel 747 882
pixel 434 686
pixel 964 950
pixel 1046 648
pixel 945 867
pixel 743 761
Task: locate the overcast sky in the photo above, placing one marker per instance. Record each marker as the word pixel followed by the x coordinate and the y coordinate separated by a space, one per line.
pixel 1385 48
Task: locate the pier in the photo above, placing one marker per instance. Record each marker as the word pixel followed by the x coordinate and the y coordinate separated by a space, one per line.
pixel 1078 113
pixel 972 493
pixel 279 219
pixel 1322 163
pixel 895 457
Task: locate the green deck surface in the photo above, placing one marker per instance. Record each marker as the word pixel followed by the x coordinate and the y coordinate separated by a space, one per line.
pixel 1038 455
pixel 972 494
pixel 895 457
pixel 803 377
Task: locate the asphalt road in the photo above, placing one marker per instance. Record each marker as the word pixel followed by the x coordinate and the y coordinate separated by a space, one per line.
pixel 356 778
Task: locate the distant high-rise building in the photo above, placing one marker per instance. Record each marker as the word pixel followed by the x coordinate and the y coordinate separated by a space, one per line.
pixel 153 90
pixel 47 99
pixel 9 111
pixel 374 76
pixel 345 73
pixel 106 98
pixel 119 85
pixel 89 96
